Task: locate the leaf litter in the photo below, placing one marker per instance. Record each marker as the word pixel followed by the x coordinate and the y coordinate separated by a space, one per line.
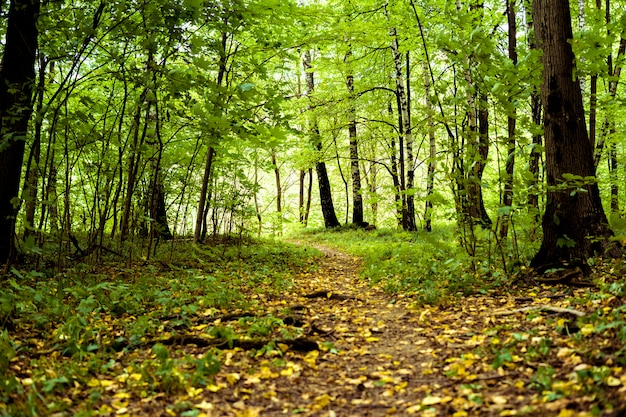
pixel 333 346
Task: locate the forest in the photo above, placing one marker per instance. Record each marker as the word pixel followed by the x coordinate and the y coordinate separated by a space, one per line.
pixel 316 207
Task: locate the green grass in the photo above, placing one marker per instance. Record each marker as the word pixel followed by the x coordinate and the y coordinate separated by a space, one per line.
pixel 431 266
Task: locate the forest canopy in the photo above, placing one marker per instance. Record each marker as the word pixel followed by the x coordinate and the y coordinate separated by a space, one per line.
pixel 162 119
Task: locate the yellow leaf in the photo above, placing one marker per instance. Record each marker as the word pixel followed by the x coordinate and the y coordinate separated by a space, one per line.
pixel 204 406
pixel 460 413
pixel 117 404
pixel 232 377
pixel 413 409
pixel 248 412
pixel 613 382
pixel 498 399
pixel 587 329
pixel 372 339
pixel 193 392
pixel 214 387
pixel 401 386
pixel 431 400
pixel 122 395
pixel 322 401
pixel 100 382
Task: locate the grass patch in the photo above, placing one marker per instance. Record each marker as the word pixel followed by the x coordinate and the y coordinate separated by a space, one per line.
pixel 431 267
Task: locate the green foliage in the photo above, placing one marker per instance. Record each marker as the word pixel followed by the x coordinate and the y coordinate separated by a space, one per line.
pixel 431 267
pixel 95 312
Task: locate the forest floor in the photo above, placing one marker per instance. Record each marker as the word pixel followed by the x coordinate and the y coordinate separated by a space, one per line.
pixel 354 350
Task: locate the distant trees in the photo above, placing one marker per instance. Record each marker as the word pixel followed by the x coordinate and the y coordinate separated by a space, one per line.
pixel 199 118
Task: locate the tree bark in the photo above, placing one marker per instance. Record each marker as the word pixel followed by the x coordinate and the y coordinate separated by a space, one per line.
pixel 537 140
pixel 575 227
pixel 17 79
pixel 406 165
pixel 326 197
pixel 201 213
pixel 507 197
pixel 432 157
pixel 357 197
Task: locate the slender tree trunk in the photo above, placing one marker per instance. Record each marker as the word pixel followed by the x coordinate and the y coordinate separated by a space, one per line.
pixel 536 110
pixel 133 167
pixel 326 198
pixel 432 157
pixel 613 165
pixel 309 193
pixel 395 175
pixel 406 165
pixel 614 75
pixel 301 197
pixel 507 197
pixel 201 215
pixel 357 197
pixel 17 80
pixel 33 169
pixel 279 194
pixel 571 216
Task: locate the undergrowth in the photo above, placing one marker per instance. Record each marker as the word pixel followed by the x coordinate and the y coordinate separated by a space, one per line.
pixel 431 266
pixel 92 313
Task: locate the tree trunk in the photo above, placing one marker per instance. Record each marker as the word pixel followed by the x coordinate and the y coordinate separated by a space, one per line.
pixel 432 157
pixel 574 210
pixel 613 164
pixel 279 195
pixel 201 214
pixel 537 140
pixel 17 79
pixel 326 198
pixel 614 75
pixel 395 174
pixel 507 197
pixel 357 197
pixel 406 139
pixel 200 228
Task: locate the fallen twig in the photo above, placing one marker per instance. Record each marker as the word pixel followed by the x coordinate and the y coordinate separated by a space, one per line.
pixel 576 313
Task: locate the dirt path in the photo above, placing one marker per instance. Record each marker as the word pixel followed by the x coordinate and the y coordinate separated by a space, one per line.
pixel 379 356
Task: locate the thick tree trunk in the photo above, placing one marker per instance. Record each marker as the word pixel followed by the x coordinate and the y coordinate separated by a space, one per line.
pixel 575 227
pixel 17 79
pixel 326 198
